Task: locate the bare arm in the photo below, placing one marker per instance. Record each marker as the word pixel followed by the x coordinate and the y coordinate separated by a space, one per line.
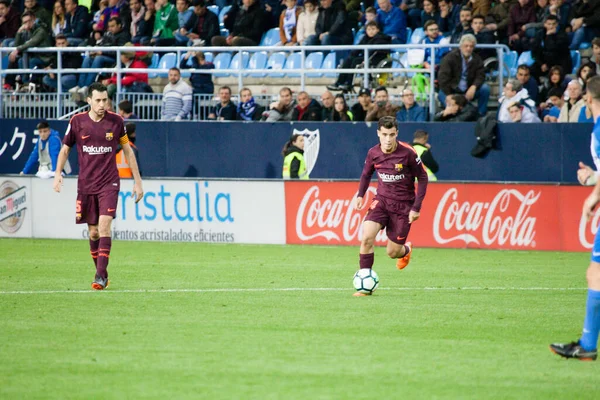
pixel 60 164
pixel 138 192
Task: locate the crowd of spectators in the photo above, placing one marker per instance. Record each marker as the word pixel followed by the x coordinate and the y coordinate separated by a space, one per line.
pixel 544 90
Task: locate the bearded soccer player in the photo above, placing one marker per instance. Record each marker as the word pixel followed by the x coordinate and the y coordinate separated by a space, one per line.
pixel 97 133
pixel 395 207
pixel 585 349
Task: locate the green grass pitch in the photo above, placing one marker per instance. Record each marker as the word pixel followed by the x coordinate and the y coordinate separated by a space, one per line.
pixel 455 324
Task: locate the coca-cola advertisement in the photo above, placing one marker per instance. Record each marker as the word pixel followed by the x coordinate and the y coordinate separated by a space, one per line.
pixel 463 215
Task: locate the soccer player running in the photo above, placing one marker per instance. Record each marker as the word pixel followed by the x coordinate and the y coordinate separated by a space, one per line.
pixel 97 134
pixel 585 349
pixel 395 207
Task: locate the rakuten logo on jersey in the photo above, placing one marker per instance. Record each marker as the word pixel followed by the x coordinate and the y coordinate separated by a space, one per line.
pixel 95 150
pixel 588 229
pixel 388 178
pixel 334 219
pixel 504 219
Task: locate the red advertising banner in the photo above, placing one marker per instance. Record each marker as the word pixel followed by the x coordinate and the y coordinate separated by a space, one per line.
pixel 464 215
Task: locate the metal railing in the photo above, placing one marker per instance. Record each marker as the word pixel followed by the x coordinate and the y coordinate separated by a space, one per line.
pixel 240 72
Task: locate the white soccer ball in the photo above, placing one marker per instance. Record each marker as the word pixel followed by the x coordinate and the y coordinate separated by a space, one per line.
pixel 365 280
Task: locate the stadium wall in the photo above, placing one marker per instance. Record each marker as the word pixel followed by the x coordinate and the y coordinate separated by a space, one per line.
pixel 529 152
pixel 457 215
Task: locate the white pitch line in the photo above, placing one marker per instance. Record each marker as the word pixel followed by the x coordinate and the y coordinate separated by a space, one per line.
pixel 13 292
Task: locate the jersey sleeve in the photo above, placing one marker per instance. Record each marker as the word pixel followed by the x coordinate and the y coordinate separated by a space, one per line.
pixel 70 138
pixel 123 139
pixel 367 173
pixel 418 170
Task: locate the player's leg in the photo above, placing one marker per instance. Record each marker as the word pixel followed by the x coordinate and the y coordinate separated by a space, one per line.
pixel 107 206
pixel 585 348
pixel 397 233
pixel 94 235
pixel 367 247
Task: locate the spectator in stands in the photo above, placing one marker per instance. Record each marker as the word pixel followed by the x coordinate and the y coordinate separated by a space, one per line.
pixel 40 12
pixel 201 28
pixel 534 29
pixel 184 12
pixel 288 21
pixel 372 37
pixel 78 20
pixel 596 54
pixel 283 109
pixel 392 21
pixel 10 21
pixel 177 98
pixel 412 8
pixel 370 15
pixel 423 149
pixel 359 110
pixel 327 110
pixel 483 36
pixel 382 106
pixel 585 116
pixel 514 92
pixel 116 9
pixel 555 80
pixel 528 82
pixel 144 26
pixel 115 36
pixel 126 110
pixel 59 21
pixel 561 11
pixel 462 72
pixel 137 16
pixel 497 19
pixel 552 48
pixel 517 114
pixel 166 23
pixel 272 10
pixel 553 105
pixel 248 109
pixel 102 6
pixel 584 73
pixel 449 15
pixel 464 28
pixel 225 110
pixel 432 36
pixel 308 109
pixel 201 83
pixel 131 82
pixel 521 14
pixel 585 22
pixel 410 111
pixel 32 33
pixel 333 26
pixel 45 152
pixel 458 109
pixel 68 60
pixel 429 12
pixel 246 27
pixel 307 21
pixel 480 7
pixel 571 109
pixel 341 112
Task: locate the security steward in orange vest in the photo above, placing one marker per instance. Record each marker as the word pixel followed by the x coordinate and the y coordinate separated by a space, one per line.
pixel 122 166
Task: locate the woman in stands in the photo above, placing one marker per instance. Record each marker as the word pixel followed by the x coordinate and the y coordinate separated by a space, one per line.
pixel 288 21
pixel 341 111
pixel 59 21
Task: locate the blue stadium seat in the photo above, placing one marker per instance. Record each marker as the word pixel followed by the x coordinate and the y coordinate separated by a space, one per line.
pixel 276 62
pixel 222 61
pixel 511 59
pixel 224 11
pixel 417 36
pixel 270 38
pixel 153 62
pixel 235 61
pixel 585 45
pixel 408 34
pixel 258 61
pixel 526 58
pixel 169 60
pixel 576 59
pixel 209 56
pixel 314 61
pixel 294 61
pixel 5 64
pixel 329 63
pixel 359 35
pixel 214 9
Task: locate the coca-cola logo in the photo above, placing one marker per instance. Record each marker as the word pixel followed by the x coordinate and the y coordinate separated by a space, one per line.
pixel 504 219
pixel 331 219
pixel 591 229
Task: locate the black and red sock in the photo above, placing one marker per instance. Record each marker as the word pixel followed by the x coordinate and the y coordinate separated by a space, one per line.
pixel 103 256
pixel 94 250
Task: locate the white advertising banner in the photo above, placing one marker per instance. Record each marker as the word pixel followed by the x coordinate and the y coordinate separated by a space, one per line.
pixel 173 210
pixel 15 207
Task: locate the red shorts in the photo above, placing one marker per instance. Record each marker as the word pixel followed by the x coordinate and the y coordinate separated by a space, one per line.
pixel 393 215
pixel 90 207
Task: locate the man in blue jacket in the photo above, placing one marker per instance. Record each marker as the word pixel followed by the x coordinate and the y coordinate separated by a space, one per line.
pixel 410 110
pixel 392 21
pixel 78 19
pixel 45 152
